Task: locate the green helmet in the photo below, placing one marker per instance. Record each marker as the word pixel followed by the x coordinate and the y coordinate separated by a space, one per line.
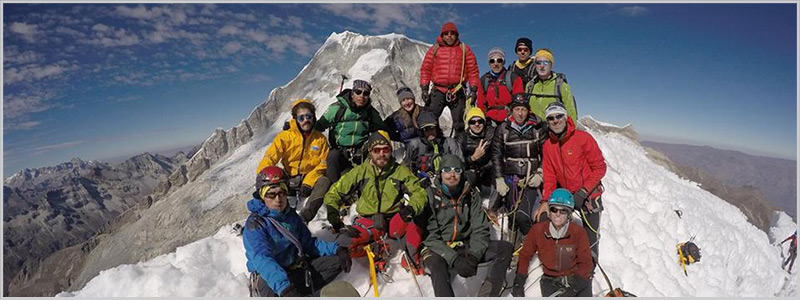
pixel 562 197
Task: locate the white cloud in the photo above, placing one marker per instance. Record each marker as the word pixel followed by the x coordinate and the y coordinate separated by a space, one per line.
pixel 295 22
pixel 58 146
pixel 302 43
pixel 384 16
pixel 15 125
pixel 633 11
pixel 35 72
pixel 138 12
pixel 22 104
pixel 101 27
pixel 257 36
pixel 228 30
pixel 12 57
pixel 109 37
pixel 26 31
pixel 70 32
pixel 231 47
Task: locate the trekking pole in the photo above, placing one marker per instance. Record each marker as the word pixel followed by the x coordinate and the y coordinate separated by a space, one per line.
pixel 342 84
pixel 411 264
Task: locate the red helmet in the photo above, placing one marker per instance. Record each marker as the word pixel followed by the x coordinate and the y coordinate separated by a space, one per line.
pixel 270 176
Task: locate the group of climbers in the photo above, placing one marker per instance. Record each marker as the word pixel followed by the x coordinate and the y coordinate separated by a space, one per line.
pixel 514 141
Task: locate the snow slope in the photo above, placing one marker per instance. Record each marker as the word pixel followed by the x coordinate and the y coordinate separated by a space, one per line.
pixel 639 233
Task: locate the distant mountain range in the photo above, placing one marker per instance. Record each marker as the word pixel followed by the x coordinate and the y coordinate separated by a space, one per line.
pixel 746 176
pixel 51 208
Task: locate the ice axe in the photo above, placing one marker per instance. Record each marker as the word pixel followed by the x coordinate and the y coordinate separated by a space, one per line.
pixel 342 84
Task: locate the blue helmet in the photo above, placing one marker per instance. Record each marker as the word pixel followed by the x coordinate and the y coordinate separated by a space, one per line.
pixel 562 197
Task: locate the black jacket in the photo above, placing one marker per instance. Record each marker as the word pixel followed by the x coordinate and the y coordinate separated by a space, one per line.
pixel 510 145
pixel 469 142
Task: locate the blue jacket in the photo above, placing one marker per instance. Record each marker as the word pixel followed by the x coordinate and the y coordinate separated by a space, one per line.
pixel 269 252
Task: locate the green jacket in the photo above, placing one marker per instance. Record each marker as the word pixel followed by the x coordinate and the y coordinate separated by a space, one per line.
pixel 355 125
pixel 470 225
pixel 544 93
pixel 362 184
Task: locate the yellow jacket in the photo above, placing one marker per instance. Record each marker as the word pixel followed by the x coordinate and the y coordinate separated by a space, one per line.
pixel 299 155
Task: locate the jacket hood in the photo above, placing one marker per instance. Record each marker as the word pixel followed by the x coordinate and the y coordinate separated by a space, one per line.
pixel 258 207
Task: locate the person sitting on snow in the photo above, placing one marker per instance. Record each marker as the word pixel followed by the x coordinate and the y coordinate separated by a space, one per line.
pixel 563 251
pixel 458 234
pixel 302 152
pixel 402 124
pixel 424 153
pixel 282 257
pixel 378 188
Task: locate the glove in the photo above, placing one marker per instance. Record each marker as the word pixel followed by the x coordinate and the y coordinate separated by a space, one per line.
pixel 425 96
pixel 579 197
pixel 344 259
pixel 466 264
pixel 304 192
pixel 536 180
pixel 518 290
pixel 333 218
pixel 290 291
pixel 501 186
pixel 407 213
pixel 350 231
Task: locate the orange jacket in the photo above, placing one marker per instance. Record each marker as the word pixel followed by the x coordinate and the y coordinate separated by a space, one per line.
pixel 572 162
pixel 445 68
pixel 299 154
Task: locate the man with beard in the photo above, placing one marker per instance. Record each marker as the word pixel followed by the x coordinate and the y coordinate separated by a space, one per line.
pixel 302 151
pixel 349 122
pixel 424 153
pixel 458 234
pixel 282 257
pixel 378 188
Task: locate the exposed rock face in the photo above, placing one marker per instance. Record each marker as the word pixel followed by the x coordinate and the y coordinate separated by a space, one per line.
pixel 51 208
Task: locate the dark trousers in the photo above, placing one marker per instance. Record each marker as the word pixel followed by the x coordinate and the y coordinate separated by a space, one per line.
pixel 323 270
pixel 578 287
pixel 315 200
pixel 790 259
pixel 528 203
pixel 438 102
pixel 339 161
pixel 499 252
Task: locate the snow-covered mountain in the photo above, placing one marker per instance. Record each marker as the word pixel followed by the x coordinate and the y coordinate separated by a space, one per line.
pixel 639 234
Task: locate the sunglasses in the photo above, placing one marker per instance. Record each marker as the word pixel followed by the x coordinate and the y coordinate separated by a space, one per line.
pixel 273 195
pixel 523 49
pixel 381 150
pixel 556 117
pixel 542 62
pixel 457 170
pixel 359 92
pixel 562 211
pixel 304 117
pixel 449 33
pixel 499 61
pixel 477 122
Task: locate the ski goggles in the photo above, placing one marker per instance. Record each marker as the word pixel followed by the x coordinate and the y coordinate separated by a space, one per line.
pixel 555 117
pixel 359 92
pixel 499 61
pixel 457 170
pixel 542 62
pixel 563 211
pixel 304 117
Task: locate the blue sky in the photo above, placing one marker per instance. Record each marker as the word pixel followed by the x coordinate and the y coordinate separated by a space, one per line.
pixel 111 80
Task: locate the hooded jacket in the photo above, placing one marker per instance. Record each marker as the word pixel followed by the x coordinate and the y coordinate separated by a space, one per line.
pixel 456 218
pixel 356 123
pixel 364 185
pixel 268 252
pixel 300 154
pixel 560 257
pixel 445 68
pixel 572 161
pixel 469 142
pixel 512 149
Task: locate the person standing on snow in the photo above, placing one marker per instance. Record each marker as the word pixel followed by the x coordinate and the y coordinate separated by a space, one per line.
pixel 302 151
pixel 458 236
pixel 523 68
pixel 572 160
pixel 282 257
pixel 792 252
pixel 516 156
pixel 563 251
pixel 451 66
pixel 548 87
pixel 496 88
pixel 402 124
pixel 349 122
pixel 424 153
pixel 378 187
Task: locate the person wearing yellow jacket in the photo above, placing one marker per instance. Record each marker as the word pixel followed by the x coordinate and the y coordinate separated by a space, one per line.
pixel 548 87
pixel 302 152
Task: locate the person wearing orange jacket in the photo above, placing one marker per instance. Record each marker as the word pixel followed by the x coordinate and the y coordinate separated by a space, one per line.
pixel 563 250
pixel 451 66
pixel 302 152
pixel 571 159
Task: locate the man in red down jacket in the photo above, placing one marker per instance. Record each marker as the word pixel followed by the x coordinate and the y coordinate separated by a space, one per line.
pixel 572 160
pixel 496 88
pixel 450 65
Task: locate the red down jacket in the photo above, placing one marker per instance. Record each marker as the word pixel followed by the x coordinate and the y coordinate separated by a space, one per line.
pixel 444 69
pixel 573 162
pixel 494 98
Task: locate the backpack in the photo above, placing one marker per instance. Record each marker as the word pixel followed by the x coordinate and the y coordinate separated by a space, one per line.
pixel 505 80
pixel 340 110
pixel 561 79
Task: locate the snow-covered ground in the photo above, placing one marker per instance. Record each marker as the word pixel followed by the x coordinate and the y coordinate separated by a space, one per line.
pixel 639 233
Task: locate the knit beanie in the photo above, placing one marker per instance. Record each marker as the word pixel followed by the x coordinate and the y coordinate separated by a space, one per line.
pixel 359 84
pixel 524 41
pixel 452 161
pixel 519 100
pixel 403 93
pixel 546 53
pixel 449 26
pixel 554 108
pixel 427 118
pixel 378 138
pixel 497 52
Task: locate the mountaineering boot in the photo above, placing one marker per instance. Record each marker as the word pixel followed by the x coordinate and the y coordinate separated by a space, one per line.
pixel 491 287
